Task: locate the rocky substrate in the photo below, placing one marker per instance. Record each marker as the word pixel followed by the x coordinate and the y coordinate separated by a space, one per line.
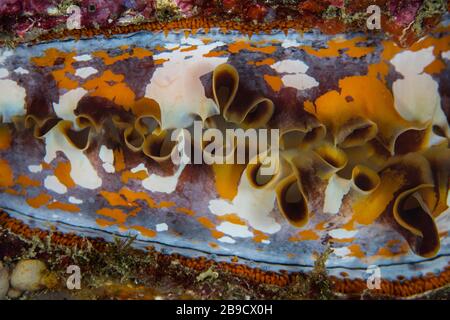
pixel 27 20
pixel 28 275
pixel 35 266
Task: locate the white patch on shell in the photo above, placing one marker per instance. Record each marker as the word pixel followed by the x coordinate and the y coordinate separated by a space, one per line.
pixel 82 171
pixel 5 53
pixel 290 66
pixel 109 168
pixel 341 252
pixel 342 233
pixel 226 239
pixel 446 55
pixel 84 57
pixel 140 167
pixel 85 72
pixel 3 72
pixel 68 103
pixel 416 96
pixel 171 46
pixel 164 184
pixel 410 63
pixel 162 227
pixel 294 74
pixel 253 205
pixel 35 168
pixel 288 43
pixel 75 200
pixel 107 156
pixel 177 87
pixel 21 70
pixel 52 183
pixel 299 81
pixel 234 230
pixel 12 100
pixel 336 189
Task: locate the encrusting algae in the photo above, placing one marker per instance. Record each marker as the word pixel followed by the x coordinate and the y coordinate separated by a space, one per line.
pixel 361 177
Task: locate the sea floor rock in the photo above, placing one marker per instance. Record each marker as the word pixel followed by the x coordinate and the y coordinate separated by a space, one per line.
pixel 28 275
pixel 4 281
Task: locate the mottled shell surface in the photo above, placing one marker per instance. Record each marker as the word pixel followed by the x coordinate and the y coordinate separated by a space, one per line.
pixel 364 133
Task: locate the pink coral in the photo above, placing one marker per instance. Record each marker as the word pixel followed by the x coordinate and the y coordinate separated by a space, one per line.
pixel 36 7
pixel 144 7
pixel 187 6
pixel 10 7
pixel 337 3
pixel 404 11
pixel 100 11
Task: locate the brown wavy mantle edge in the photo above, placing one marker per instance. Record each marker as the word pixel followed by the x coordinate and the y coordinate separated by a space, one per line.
pixel 117 271
pixel 404 21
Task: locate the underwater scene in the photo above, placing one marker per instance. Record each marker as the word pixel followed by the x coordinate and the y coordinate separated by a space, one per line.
pixel 224 149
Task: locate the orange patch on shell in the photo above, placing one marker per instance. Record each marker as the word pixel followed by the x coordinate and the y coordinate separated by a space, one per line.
pixel 355 251
pixel 54 57
pixel 160 61
pixel 62 172
pixel 6 174
pixel 39 200
pixel 187 211
pixel 305 235
pixel 335 46
pixel 69 207
pixel 167 204
pixel 213 54
pixel 133 196
pixel 274 82
pixel 217 234
pixel 145 231
pixel 139 53
pixel 259 236
pixel 25 182
pixel 213 245
pixel 227 177
pixel 206 222
pixel 232 218
pixel 191 48
pixel 104 223
pixel 111 86
pixel 115 199
pixel 5 137
pixel 435 67
pixel 118 215
pixel 243 45
pixel 119 160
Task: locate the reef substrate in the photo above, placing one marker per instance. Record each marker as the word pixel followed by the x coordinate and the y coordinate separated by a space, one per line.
pixel 363 175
